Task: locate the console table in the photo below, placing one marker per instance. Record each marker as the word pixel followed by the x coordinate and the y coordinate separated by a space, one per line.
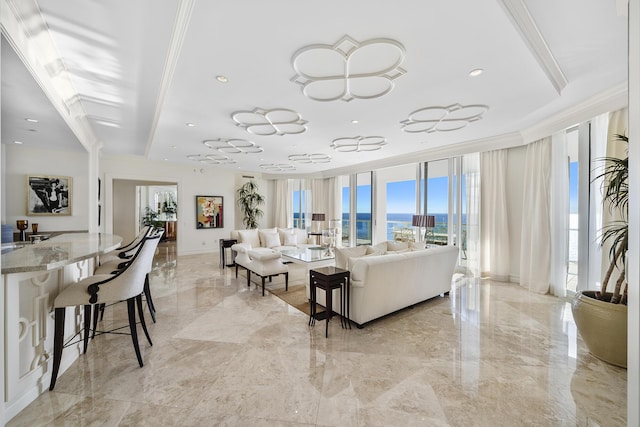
pixel 329 279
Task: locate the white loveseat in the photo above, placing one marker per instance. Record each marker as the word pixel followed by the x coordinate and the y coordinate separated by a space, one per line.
pixel 384 281
pixel 274 238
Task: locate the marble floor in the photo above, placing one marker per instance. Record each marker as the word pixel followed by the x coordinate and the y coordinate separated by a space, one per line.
pixel 489 354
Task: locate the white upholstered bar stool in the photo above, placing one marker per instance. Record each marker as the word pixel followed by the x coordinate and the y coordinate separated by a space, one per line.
pixel 127 251
pixel 127 284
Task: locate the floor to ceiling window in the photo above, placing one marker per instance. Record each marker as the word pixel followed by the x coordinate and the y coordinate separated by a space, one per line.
pixel 437 195
pixel 300 201
pixel 364 224
pixel 574 216
pixel 346 209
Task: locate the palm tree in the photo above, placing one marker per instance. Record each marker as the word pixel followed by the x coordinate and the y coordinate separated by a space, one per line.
pixel 616 197
pixel 249 201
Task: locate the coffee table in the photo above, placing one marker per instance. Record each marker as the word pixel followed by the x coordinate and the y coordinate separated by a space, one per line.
pixel 312 257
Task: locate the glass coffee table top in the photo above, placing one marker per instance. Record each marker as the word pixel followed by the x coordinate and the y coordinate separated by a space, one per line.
pixel 311 254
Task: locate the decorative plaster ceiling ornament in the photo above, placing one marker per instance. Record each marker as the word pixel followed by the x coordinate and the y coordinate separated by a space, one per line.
pixel 211 159
pixel 233 146
pixel 309 158
pixel 358 143
pixel 443 119
pixel 279 121
pixel 348 69
pixel 278 167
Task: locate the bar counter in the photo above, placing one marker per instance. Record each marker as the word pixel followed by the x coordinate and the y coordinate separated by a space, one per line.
pixel 57 251
pixel 33 274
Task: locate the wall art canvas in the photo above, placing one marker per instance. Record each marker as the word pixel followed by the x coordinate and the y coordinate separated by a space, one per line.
pixel 49 195
pixel 209 212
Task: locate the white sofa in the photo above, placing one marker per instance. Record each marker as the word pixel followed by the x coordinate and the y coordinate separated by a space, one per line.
pixel 386 280
pixel 278 239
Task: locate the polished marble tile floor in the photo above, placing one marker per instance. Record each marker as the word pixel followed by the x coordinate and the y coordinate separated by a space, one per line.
pixel 488 354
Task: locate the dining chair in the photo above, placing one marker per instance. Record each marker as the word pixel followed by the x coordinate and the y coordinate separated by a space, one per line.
pixel 125 285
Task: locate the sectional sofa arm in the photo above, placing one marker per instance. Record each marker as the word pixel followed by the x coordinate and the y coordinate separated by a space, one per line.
pixel 264 255
pixel 242 248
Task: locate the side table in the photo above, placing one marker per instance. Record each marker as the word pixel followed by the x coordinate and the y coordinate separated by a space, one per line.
pixel 224 245
pixel 328 279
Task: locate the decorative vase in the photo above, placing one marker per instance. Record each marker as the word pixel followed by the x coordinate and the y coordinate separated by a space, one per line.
pixel 602 326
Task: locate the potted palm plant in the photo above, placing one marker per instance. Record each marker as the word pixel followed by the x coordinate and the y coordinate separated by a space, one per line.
pixel 601 316
pixel 249 201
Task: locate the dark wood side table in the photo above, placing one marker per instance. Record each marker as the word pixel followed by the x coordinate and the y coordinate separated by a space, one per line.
pixel 328 279
pixel 224 245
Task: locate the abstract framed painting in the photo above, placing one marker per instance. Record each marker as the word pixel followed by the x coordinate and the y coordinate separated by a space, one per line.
pixel 209 212
pixel 49 195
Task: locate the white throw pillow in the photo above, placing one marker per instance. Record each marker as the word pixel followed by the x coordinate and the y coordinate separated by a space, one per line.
pixel 417 245
pixel 269 239
pixel 343 255
pixel 250 236
pixel 396 246
pixel 290 239
pixel 283 232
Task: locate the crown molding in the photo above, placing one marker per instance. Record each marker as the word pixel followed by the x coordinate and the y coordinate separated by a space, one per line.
pixel 40 56
pixel 183 16
pixel 526 26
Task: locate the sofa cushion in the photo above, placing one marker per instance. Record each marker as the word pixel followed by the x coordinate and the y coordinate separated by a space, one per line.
pixel 381 247
pixel 290 239
pixel 415 246
pixel 269 238
pixel 250 236
pixel 343 255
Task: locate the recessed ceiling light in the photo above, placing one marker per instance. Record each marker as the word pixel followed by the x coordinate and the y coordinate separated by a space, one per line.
pixel 222 79
pixel 355 122
pixel 476 72
pixel 166 160
pixel 190 125
pixel 174 147
pixel 31 120
pixel 17 142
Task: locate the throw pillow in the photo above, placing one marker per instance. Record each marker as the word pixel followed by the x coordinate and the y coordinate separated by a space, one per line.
pixel 398 251
pixel 250 236
pixel 290 239
pixel 283 232
pixel 417 245
pixel 343 255
pixel 396 246
pixel 372 250
pixel 269 239
pixel 381 247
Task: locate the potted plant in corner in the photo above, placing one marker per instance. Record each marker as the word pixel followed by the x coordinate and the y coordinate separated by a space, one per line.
pixel 601 316
pixel 249 200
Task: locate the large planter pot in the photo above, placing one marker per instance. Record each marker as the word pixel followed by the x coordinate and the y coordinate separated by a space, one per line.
pixel 603 327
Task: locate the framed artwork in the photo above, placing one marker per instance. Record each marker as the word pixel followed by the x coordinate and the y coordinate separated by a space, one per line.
pixel 209 212
pixel 49 195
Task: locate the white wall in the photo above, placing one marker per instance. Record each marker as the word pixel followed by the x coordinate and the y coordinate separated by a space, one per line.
pixel 22 161
pixel 124 212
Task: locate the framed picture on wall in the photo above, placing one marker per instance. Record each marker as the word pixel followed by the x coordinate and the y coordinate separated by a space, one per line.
pixel 209 212
pixel 49 195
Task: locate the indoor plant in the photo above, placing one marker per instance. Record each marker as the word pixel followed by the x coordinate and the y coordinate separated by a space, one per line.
pixel 249 201
pixel 601 316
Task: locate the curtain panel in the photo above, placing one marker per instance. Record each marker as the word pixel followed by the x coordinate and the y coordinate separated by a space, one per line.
pixel 494 220
pixel 535 243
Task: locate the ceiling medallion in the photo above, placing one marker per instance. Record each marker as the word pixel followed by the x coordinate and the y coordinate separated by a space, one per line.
pixel 211 159
pixel 279 121
pixel 233 146
pixel 309 158
pixel 358 144
pixel 278 167
pixel 348 69
pixel 443 119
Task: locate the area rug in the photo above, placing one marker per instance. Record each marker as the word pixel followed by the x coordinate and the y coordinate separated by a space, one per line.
pixel 296 297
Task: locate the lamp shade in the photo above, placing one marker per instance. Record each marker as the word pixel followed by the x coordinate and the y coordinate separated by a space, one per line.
pixel 431 221
pixel 419 221
pixel 317 217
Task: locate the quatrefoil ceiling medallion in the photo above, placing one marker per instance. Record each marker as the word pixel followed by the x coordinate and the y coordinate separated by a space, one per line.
pixel 278 167
pixel 211 159
pixel 348 69
pixel 309 158
pixel 443 119
pixel 233 146
pixel 278 121
pixel 358 144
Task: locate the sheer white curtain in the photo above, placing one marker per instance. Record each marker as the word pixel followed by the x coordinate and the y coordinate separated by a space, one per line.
pixel 598 149
pixel 535 242
pixel 618 125
pixel 559 214
pixel 494 225
pixel 471 172
pixel 326 198
pixel 284 204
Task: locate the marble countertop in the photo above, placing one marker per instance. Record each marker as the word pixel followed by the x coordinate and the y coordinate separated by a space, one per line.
pixel 58 251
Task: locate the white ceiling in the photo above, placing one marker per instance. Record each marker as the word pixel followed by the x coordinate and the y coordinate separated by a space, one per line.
pixel 129 76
